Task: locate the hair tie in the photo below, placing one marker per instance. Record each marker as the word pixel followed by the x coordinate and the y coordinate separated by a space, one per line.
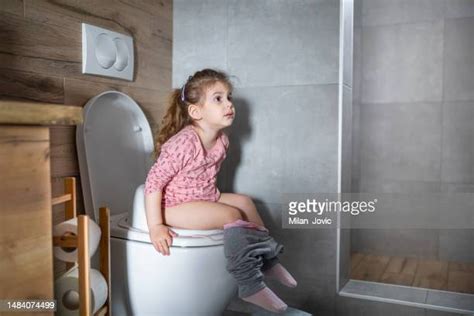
pixel 182 89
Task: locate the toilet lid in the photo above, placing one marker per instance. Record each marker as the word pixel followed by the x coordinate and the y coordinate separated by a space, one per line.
pixel 186 237
pixel 115 147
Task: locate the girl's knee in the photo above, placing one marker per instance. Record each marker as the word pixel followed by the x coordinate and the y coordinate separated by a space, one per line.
pixel 233 214
pixel 243 201
pixel 247 201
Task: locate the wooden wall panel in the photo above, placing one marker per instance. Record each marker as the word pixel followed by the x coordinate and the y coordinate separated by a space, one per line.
pixel 40 60
pixel 151 32
pixel 63 151
pixel 25 85
pixel 35 65
pixel 12 7
pixel 152 101
pixel 27 37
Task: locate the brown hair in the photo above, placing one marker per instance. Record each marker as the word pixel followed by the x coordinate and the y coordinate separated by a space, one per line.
pixel 192 92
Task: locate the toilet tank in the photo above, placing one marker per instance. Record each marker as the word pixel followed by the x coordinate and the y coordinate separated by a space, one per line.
pixel 115 147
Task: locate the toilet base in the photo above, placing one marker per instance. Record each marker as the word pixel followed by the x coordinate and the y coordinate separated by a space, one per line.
pixel 191 281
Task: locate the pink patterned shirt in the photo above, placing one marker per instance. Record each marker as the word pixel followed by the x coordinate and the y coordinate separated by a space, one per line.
pixel 184 171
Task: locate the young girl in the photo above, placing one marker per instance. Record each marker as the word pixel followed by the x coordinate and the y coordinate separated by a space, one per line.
pixel 180 189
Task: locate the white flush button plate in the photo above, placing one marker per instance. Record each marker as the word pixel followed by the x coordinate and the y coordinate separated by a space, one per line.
pixel 106 53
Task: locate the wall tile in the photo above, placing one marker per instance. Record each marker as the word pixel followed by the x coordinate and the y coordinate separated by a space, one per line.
pixel 200 37
pixel 459 66
pixel 401 141
pixel 458 140
pixel 270 153
pixel 401 63
pixel 357 13
pixel 315 294
pixel 456 245
pixel 385 185
pixel 383 12
pixel 357 63
pixel 457 187
pixel 404 242
pixel 458 8
pixel 299 260
pixel 283 43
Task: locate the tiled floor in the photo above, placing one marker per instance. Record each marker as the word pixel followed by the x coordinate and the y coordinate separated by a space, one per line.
pixel 423 273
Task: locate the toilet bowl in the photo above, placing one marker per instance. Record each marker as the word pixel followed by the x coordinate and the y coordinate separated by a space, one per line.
pixel 115 148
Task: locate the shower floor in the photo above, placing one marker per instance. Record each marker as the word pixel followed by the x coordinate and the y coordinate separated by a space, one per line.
pixel 417 272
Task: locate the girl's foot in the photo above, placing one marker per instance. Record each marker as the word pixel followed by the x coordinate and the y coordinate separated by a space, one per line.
pixel 279 273
pixel 268 300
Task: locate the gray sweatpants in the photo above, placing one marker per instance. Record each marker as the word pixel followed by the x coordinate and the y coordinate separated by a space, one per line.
pixel 248 251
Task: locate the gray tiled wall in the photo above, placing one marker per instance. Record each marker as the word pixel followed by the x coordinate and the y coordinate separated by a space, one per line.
pixel 281 141
pixel 413 114
pixel 402 62
pixel 280 43
pixel 284 59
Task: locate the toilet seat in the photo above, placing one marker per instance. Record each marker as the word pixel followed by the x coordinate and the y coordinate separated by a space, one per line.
pixel 186 237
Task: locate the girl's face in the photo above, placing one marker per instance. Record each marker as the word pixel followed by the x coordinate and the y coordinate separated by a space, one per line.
pixel 218 111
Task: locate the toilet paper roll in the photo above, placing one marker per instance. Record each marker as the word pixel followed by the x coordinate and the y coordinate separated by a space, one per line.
pixel 66 292
pixel 70 226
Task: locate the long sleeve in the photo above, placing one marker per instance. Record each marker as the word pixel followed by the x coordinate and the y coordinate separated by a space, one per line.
pixel 174 155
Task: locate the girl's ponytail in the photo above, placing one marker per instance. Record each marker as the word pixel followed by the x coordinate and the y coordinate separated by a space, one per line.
pixel 175 119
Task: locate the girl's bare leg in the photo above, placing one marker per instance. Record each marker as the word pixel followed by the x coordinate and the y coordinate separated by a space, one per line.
pixel 201 215
pixel 243 203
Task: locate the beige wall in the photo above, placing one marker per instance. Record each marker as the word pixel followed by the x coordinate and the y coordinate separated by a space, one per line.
pixel 40 60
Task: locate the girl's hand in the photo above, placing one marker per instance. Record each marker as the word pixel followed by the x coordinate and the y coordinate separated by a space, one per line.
pixel 161 238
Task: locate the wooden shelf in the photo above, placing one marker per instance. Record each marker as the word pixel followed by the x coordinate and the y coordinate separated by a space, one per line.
pixel 81 242
pixel 36 113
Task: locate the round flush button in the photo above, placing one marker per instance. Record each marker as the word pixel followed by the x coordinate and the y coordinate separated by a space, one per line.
pixel 105 51
pixel 122 54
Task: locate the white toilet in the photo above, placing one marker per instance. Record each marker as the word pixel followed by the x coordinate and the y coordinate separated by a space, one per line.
pixel 115 147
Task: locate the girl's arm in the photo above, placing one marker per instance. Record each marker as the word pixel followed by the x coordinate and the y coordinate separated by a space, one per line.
pixel 173 157
pixel 154 217
pixel 160 234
